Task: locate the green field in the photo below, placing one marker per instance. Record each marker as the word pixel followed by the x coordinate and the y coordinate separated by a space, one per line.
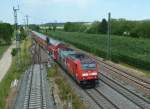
pixel 2 50
pixel 135 52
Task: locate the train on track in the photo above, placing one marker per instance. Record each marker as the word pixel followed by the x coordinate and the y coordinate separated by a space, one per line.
pixel 82 68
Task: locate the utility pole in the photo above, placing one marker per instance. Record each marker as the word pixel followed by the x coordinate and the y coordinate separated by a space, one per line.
pixel 27 24
pixel 109 37
pixel 17 37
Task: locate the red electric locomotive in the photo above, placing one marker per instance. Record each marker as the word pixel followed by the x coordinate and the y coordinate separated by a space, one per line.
pixel 82 68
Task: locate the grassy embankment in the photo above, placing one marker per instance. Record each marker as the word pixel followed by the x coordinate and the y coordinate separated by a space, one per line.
pixel 132 51
pixel 13 73
pixel 64 88
pixel 3 48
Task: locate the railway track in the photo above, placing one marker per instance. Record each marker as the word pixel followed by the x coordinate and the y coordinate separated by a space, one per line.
pixel 34 92
pixel 35 89
pixel 138 100
pixel 104 101
pixel 141 82
pixel 100 99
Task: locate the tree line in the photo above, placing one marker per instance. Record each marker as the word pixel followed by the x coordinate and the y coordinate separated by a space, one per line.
pixel 121 27
pixel 6 33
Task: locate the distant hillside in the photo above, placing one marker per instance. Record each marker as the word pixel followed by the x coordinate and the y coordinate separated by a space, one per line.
pixel 62 23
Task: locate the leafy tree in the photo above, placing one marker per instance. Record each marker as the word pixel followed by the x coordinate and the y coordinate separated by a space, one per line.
pixel 54 27
pixel 94 28
pixel 120 26
pixel 6 32
pixel 103 26
pixel 22 33
pixel 49 28
pixel 34 27
pixel 82 28
pixel 74 27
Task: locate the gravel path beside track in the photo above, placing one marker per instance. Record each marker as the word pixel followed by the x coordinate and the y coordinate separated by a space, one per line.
pixel 5 62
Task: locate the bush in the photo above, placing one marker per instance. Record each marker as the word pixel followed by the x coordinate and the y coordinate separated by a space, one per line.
pixel 6 32
pixel 14 52
pixel 23 34
pixel 74 27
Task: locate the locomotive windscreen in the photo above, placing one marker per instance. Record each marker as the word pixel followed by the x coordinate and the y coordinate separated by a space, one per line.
pixel 89 66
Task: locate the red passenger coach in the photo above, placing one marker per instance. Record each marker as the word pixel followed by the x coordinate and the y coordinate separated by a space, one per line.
pixel 40 38
pixel 82 68
pixel 53 48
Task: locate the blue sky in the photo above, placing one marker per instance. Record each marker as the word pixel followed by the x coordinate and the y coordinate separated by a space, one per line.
pixel 42 11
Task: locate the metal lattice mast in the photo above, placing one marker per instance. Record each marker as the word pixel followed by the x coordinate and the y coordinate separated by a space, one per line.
pixel 17 37
pixel 27 23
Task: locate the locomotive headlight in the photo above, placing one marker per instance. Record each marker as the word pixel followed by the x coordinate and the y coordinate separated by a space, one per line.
pixel 93 73
pixel 85 74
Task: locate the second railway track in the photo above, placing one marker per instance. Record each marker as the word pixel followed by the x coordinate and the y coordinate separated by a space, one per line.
pixel 35 91
pixel 140 101
pixel 114 70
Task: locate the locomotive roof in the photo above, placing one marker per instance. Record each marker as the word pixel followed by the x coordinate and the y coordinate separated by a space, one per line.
pixel 82 57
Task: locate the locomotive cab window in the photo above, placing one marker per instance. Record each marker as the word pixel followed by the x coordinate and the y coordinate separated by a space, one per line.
pixel 89 66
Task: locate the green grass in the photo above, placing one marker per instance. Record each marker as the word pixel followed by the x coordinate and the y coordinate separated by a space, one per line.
pixel 3 48
pixel 64 88
pixel 141 71
pixel 132 51
pixel 12 74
